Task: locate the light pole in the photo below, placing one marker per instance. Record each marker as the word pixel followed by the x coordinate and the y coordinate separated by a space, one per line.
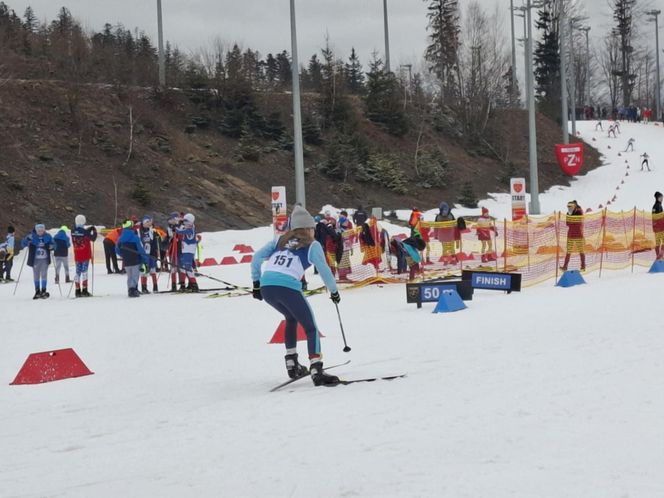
pixel 532 128
pixel 300 195
pixel 160 35
pixel 572 77
pixel 654 17
pixel 586 30
pixel 513 82
pixel 564 112
pixel 387 38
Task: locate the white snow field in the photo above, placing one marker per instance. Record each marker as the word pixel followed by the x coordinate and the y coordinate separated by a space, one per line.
pixel 548 393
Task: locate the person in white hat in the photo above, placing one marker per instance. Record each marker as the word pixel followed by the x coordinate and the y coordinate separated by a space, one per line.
pixel 279 284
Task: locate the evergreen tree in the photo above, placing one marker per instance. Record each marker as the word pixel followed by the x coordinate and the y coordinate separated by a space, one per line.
pixel 547 62
pixel 468 198
pixel 353 74
pixel 271 70
pixel 315 73
pixel 623 11
pixel 384 99
pixel 442 54
pixel 334 107
pixel 284 73
pixel 30 20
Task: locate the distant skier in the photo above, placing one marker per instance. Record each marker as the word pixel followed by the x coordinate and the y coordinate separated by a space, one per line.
pixel 61 253
pixel 612 130
pixel 130 249
pixel 187 238
pixel 645 163
pixel 175 251
pixel 630 145
pixel 82 238
pixel 39 244
pixel 575 240
pixel 279 285
pixel 616 127
pixel 658 225
pixel 599 126
pixel 150 240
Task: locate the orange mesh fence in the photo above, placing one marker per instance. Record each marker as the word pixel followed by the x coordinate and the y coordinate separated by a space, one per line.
pixel 536 246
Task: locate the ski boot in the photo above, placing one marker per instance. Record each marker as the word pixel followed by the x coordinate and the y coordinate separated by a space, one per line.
pixel 193 287
pixel 44 295
pixel 174 287
pixel 293 368
pixel 183 287
pixel 37 295
pixel 57 279
pixel 320 378
pixel 78 293
pixel 133 292
pixel 85 293
pixel 67 280
pixel 155 288
pixel 144 289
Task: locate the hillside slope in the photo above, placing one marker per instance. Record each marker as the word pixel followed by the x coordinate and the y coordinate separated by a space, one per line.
pixel 63 146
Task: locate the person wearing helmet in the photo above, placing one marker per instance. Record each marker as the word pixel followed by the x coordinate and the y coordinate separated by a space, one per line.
pixel 575 240
pixel 658 225
pixel 83 238
pixel 150 240
pixel 133 255
pixel 279 284
pixel 61 253
pixel 9 244
pixel 186 235
pixel 174 250
pixel 39 244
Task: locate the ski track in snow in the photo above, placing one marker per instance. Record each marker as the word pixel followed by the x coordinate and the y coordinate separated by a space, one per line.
pixel 547 393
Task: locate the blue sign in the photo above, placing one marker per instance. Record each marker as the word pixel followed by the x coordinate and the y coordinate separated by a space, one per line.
pixel 493 281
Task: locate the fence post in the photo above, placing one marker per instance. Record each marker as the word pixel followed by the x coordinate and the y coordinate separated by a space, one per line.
pixel 528 239
pixel 504 244
pixel 603 246
pixel 633 237
pixel 557 224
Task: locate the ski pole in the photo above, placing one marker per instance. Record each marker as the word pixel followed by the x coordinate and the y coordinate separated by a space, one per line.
pixel 341 325
pixel 92 283
pixel 18 279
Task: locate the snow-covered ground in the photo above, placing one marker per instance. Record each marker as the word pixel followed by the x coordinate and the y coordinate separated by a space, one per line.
pixel 548 393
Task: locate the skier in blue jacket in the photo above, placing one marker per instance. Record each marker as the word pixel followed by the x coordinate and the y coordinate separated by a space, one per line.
pixel 130 249
pixel 280 286
pixel 39 244
pixel 61 253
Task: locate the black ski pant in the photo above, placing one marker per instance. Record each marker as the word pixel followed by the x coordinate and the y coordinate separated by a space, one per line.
pixel 109 252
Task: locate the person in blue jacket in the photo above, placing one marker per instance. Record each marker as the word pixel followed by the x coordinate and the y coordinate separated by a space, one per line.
pixel 186 236
pixel 130 249
pixel 61 253
pixel 39 244
pixel 279 284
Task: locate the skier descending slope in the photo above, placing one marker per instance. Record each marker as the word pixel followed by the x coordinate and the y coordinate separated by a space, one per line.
pixel 281 287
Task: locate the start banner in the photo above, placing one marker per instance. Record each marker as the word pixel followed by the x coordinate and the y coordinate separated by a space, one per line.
pixel 570 158
pixel 279 211
pixel 518 193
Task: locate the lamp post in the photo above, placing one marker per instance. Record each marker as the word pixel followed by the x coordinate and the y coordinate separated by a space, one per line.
pixel 387 38
pixel 513 82
pixel 300 195
pixel 160 36
pixel 572 77
pixel 564 111
pixel 532 128
pixel 654 17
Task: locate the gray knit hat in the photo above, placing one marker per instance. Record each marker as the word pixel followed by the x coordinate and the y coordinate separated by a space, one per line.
pixel 300 218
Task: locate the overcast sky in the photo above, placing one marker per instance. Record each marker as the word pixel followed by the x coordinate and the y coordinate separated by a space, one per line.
pixel 264 24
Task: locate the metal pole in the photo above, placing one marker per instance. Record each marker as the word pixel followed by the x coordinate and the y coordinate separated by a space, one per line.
pixel 564 112
pixel 300 196
pixel 572 78
pixel 162 57
pixel 532 129
pixel 513 82
pixel 658 102
pixel 588 72
pixel 387 38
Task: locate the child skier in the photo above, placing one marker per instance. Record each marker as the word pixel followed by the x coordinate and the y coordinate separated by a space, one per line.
pixel 288 258
pixel 82 238
pixel 575 241
pixel 9 244
pixel 612 131
pixel 39 244
pixel 187 238
pixel 645 163
pixel 61 253
pixel 175 251
pixel 630 145
pixel 150 240
pixel 485 228
pixel 133 255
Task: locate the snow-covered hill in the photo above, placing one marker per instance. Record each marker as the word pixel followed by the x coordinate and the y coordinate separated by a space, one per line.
pixel 548 393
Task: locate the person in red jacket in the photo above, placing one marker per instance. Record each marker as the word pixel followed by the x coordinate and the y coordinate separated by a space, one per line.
pixel 82 239
pixel 575 239
pixel 485 228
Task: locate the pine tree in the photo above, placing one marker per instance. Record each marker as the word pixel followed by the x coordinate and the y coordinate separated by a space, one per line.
pixel 442 54
pixel 623 11
pixel 547 62
pixel 315 73
pixel 353 74
pixel 30 20
pixel 384 99
pixel 284 73
pixel 468 198
pixel 334 106
pixel 271 69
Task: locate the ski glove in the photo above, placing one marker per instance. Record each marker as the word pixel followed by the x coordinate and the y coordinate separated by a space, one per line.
pixel 144 268
pixel 336 298
pixel 256 291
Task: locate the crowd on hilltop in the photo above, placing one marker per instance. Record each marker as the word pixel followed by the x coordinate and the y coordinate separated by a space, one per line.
pixel 142 247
